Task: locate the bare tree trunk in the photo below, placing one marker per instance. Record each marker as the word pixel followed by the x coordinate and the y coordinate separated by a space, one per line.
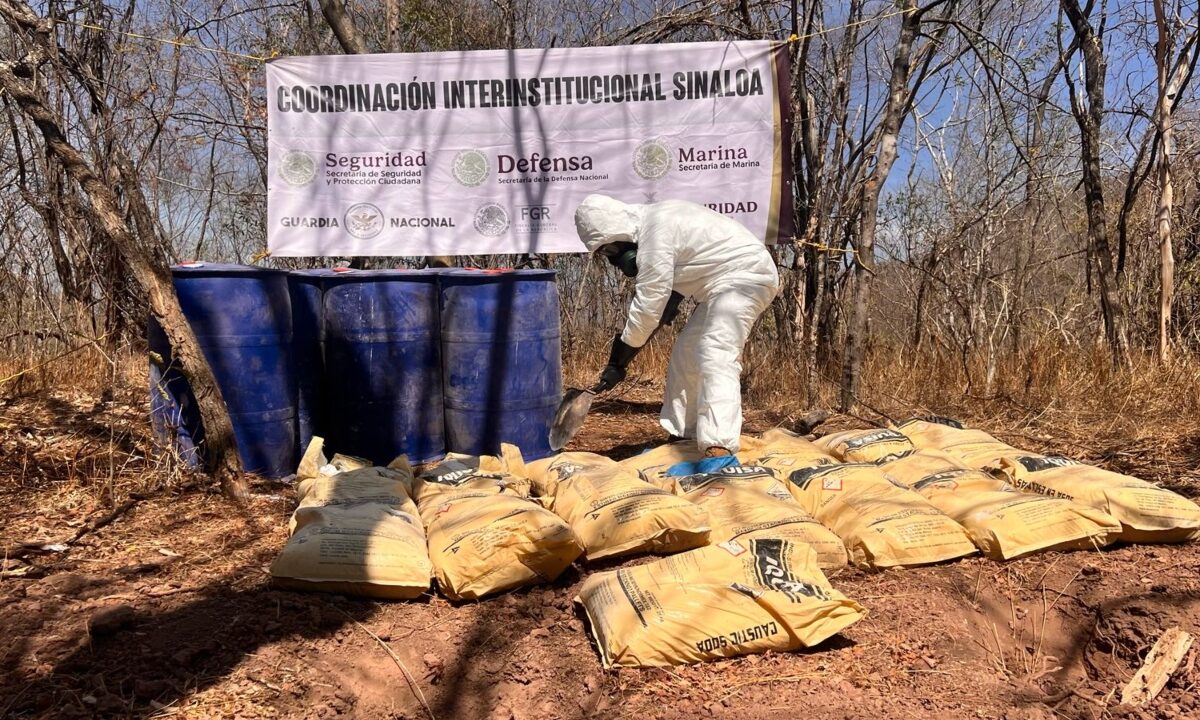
pixel 895 109
pixel 1166 198
pixel 154 280
pixel 392 17
pixel 343 27
pixel 1089 116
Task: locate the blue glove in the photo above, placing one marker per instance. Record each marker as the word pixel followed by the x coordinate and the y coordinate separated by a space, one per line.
pixel 703 465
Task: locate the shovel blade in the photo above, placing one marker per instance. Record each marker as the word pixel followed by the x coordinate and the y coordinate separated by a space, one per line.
pixel 569 418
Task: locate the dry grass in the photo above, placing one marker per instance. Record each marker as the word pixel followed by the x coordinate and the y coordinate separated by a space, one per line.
pixel 78 420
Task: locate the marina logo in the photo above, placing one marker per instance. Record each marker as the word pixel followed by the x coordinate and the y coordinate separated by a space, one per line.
pixel 297 168
pixel 470 168
pixel 364 220
pixel 652 159
pixel 491 220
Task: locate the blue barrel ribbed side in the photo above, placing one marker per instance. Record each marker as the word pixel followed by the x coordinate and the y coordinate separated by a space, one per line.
pixel 383 365
pixel 502 362
pixel 308 354
pixel 242 319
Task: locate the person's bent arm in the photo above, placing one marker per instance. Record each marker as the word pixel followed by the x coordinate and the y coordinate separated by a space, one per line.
pixel 652 290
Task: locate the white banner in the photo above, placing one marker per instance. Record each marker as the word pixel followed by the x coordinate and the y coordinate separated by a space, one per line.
pixel 471 153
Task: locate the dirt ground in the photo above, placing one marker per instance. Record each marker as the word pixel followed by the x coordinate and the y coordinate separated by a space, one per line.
pixel 167 611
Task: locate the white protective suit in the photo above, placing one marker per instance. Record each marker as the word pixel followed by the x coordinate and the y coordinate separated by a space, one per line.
pixel 701 254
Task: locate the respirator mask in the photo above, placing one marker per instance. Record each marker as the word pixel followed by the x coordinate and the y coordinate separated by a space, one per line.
pixel 622 256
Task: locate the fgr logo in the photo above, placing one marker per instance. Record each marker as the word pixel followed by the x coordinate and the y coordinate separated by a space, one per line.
pixel 470 168
pixel 364 220
pixel 491 219
pixel 652 159
pixel 535 212
pixel 297 168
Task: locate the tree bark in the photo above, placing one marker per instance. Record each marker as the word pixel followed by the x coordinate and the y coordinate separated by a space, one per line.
pixel 894 111
pixel 1166 198
pixel 343 27
pixel 1089 117
pixel 222 459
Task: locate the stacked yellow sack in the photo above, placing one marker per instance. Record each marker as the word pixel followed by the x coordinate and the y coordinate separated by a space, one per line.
pixel 485 534
pixel 866 446
pixel 747 501
pixel 735 598
pixel 355 532
pixel 882 523
pixel 785 452
pixel 974 447
pixel 612 511
pixel 1003 522
pixel 652 465
pixel 1147 513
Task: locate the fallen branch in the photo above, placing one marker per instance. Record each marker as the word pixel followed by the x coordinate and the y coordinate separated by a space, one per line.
pixel 1162 660
pixel 21 550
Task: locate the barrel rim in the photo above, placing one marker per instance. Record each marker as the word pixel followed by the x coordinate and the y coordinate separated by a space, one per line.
pixel 358 276
pixel 475 276
pixel 222 269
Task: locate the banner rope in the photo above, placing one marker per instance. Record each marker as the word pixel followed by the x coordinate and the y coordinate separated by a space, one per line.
pixel 177 42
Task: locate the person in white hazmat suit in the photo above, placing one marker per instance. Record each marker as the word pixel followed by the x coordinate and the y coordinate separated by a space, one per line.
pixel 677 248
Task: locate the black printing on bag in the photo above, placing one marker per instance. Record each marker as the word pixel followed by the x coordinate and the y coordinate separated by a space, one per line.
pixel 1037 463
pixel 885 435
pixel 772 570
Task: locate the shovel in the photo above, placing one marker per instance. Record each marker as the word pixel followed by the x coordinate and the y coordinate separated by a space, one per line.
pixel 576 402
pixel 570 416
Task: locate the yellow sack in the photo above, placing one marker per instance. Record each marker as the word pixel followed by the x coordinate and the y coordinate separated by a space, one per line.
pixel 545 474
pixel 976 448
pixel 866 446
pixel 365 549
pixel 882 523
pixel 469 475
pixel 485 536
pixel 652 465
pixel 1147 513
pixel 785 452
pixel 615 513
pixel 384 486
pixel 1003 522
pixel 746 501
pixel 719 601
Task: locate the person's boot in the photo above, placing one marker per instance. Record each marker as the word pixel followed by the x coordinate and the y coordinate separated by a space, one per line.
pixel 675 438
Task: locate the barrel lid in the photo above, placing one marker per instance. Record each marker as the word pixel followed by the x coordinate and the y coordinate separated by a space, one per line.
pixel 478 275
pixel 352 275
pixel 197 268
pixel 311 272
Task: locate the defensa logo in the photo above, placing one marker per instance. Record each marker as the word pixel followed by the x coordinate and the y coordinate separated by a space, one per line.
pixel 297 168
pixel 364 220
pixel 538 163
pixel 652 159
pixel 470 168
pixel 491 220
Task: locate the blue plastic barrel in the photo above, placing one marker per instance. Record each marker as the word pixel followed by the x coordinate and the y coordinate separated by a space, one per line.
pixel 308 354
pixel 382 364
pixel 502 364
pixel 242 319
